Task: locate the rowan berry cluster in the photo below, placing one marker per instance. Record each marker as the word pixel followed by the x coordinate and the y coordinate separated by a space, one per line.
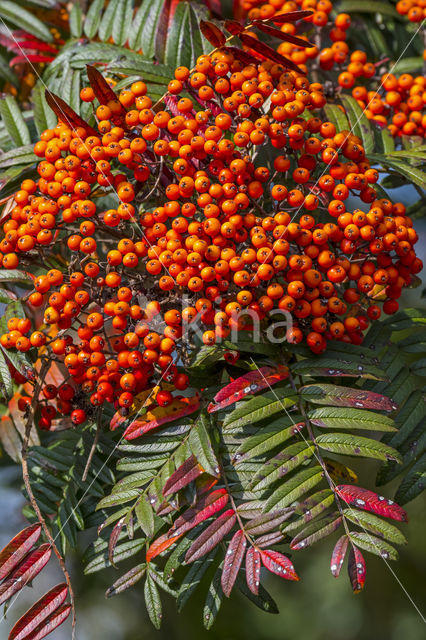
pixel 415 10
pixel 396 102
pixel 197 214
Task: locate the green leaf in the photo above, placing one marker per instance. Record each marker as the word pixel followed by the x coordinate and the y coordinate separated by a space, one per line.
pixel 25 20
pixel 284 462
pixel 127 580
pixel 76 20
pixel 93 18
pixel 365 6
pixel 337 117
pixel 152 601
pixel 193 578
pixel 213 600
pixel 14 275
pixel 413 483
pixel 294 488
pixel 408 65
pixel 118 498
pixel 351 445
pixel 349 418
pixel 417 152
pixel 376 525
pixel 200 445
pixel 134 40
pixel 21 155
pixel 329 366
pixel 6 384
pixel 108 19
pixel 184 41
pixel 316 530
pixel 310 508
pixel 360 124
pixel 149 30
pixel 43 115
pixel 14 121
pixel 268 438
pixel 6 72
pixel 122 21
pixel 145 515
pixel 255 409
pixel 415 175
pixel 122 552
pixel 263 600
pixel 373 545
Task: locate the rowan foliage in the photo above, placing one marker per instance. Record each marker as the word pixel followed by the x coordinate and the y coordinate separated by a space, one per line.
pixel 201 268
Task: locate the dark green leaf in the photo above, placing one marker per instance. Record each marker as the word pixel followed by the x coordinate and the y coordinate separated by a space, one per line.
pixel 13 118
pixel 93 18
pixel 351 445
pixel 360 124
pixel 294 488
pixel 213 601
pixel 413 483
pixel 76 20
pixel 200 445
pixel 25 20
pixel 376 525
pixel 374 545
pixel 152 601
pixel 349 418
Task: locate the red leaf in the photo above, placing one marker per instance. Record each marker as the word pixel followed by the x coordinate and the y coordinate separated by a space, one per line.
pixel 287 37
pixel 101 88
pixel 246 385
pixel 129 579
pixel 204 508
pixel 212 33
pixel 66 114
pixel 234 27
pixel 291 16
pixel 39 612
pixel 338 555
pixel 30 57
pixel 161 544
pixel 243 56
pixel 186 473
pixel 211 536
pixel 269 539
pixel 177 409
pixel 17 549
pixel 37 45
pixel 253 569
pixel 25 572
pixel 278 563
pixel 370 501
pixel 267 522
pixel 51 623
pixel 232 562
pixel 356 569
pixel 113 539
pixel 268 52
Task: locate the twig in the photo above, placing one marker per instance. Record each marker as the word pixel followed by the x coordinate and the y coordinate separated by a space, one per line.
pixel 92 451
